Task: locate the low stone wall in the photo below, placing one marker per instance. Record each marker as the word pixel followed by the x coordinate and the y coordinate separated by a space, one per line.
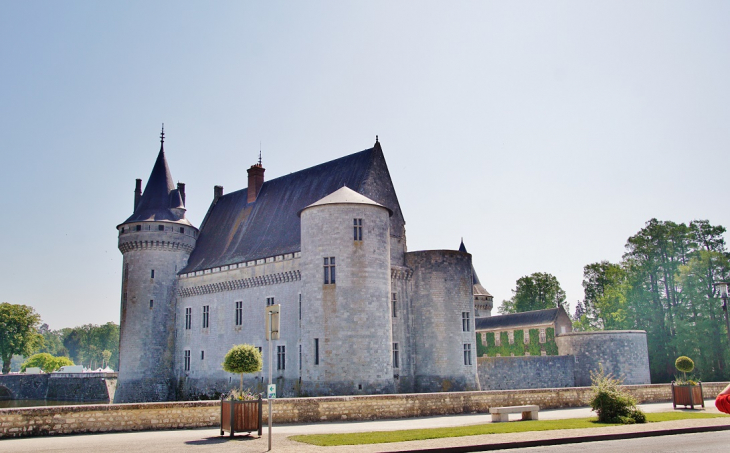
pixel 90 387
pixel 535 372
pixel 22 422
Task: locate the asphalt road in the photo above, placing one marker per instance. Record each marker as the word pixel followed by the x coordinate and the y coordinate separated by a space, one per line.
pixel 717 442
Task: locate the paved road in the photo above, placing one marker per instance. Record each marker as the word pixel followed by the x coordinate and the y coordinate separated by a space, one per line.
pixel 718 442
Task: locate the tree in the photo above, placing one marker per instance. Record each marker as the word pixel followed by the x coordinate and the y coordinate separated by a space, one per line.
pixel 46 362
pixel 538 291
pixel 18 332
pixel 243 358
pixel 87 343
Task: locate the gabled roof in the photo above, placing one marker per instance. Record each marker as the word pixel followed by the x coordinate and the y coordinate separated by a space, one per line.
pixel 235 231
pixel 345 195
pixel 160 197
pixel 518 320
pixel 479 290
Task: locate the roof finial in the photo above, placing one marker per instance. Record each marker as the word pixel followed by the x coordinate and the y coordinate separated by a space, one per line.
pixel 162 136
pixel 259 154
pixel 376 139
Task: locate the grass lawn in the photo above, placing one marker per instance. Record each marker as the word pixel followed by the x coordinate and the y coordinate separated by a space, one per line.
pixel 381 437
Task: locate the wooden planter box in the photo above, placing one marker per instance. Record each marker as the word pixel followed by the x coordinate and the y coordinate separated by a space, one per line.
pixel 687 395
pixel 241 416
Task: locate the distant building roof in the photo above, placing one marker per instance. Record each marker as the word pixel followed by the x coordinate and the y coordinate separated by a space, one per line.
pixel 517 320
pixel 235 230
pixel 160 197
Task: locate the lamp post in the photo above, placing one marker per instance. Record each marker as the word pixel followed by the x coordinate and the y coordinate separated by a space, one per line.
pixel 722 287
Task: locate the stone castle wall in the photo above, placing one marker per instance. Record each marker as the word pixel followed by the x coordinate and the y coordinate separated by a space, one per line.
pixel 23 422
pixel 90 387
pixel 624 354
pixel 532 372
pixel 442 293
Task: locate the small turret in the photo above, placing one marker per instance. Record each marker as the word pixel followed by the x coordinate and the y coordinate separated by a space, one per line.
pixel 156 242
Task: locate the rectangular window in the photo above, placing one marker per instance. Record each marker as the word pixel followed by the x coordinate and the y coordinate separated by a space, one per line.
pixel 187 360
pixel 239 313
pixel 139 228
pixel 467 354
pixel 329 271
pixel 152 273
pixel 161 227
pixel 511 336
pixel 281 357
pixel 543 336
pixel 396 362
pixel 357 229
pixel 526 333
pixel 261 351
pixel 151 303
pixel 394 304
pixel 206 316
pixel 188 318
pixel 269 301
pixel 202 355
pixel 316 351
pixel 465 326
pixel 182 230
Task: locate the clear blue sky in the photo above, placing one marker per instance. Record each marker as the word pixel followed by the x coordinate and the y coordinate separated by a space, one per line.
pixel 545 133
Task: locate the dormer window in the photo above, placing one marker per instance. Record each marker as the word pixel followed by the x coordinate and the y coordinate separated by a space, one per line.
pixel 161 227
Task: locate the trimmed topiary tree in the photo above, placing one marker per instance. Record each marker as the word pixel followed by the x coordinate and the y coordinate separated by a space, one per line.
pixel 685 365
pixel 243 358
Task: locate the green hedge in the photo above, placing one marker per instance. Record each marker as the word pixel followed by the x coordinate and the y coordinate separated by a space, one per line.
pixel 518 348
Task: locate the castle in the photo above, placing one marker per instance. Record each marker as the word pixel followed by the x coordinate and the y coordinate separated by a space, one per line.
pixel 359 313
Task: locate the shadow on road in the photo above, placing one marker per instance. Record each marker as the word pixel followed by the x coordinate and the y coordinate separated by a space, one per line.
pixel 221 440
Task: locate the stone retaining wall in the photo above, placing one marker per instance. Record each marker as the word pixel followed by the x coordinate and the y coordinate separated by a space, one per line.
pixel 21 422
pixel 535 372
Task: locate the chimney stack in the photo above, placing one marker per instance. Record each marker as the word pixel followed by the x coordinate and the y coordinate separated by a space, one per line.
pixel 137 193
pixel 217 193
pixel 255 181
pixel 181 190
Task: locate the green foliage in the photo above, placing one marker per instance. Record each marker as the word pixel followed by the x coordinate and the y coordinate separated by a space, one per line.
pixel 86 344
pixel 46 362
pixel 18 332
pixel 664 285
pixel 684 364
pixel 242 358
pixel 518 348
pixel 611 402
pixel 538 291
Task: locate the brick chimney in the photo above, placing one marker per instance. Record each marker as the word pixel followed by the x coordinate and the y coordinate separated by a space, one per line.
pixel 255 181
pixel 217 193
pixel 137 193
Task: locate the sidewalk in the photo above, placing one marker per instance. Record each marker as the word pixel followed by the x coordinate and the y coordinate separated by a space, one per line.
pixel 210 439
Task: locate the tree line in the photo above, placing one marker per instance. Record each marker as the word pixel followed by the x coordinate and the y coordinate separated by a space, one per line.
pixel 22 334
pixel 664 284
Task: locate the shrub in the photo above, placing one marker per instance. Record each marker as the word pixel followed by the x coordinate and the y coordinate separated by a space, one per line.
pixel 611 402
pixel 243 358
pixel 685 365
pixel 46 362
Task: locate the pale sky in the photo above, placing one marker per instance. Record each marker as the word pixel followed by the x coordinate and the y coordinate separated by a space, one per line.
pixel 544 133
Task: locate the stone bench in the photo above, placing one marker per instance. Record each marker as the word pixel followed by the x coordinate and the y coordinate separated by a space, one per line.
pixel 501 414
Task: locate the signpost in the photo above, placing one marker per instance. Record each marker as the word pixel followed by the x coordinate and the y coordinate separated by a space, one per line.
pixel 272 333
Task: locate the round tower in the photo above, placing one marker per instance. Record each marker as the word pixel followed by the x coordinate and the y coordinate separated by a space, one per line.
pixel 346 323
pixel 156 242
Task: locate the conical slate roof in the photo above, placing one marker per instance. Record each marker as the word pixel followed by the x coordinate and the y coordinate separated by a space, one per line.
pixel 479 290
pixel 160 197
pixel 345 195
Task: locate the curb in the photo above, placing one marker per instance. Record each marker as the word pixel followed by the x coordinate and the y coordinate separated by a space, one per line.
pixel 568 440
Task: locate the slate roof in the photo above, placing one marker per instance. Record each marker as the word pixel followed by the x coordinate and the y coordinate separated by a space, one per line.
pixel 235 231
pixel 518 320
pixel 479 290
pixel 160 197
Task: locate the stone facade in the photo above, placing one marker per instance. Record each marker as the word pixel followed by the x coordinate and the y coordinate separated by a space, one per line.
pixel 624 354
pixel 24 422
pixel 532 372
